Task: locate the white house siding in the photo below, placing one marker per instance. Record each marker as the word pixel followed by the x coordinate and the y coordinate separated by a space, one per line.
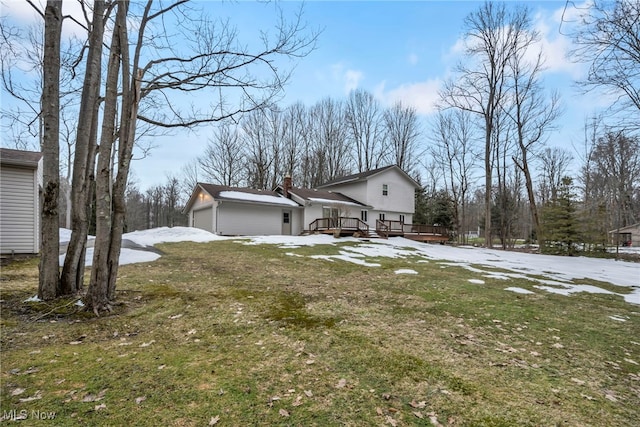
pixel 311 213
pixel 19 216
pixel 355 190
pixel 401 196
pixel 250 219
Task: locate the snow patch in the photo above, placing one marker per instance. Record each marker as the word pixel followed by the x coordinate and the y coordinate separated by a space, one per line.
pixel 171 234
pixel 334 202
pixel 519 290
pixel 263 198
pixel 347 259
pixel 405 271
pixel 33 299
pixel 618 318
pixel 127 256
pixel 293 254
pixel 476 281
pixel 568 289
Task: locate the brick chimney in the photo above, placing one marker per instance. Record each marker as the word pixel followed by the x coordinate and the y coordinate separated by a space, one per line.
pixel 286 186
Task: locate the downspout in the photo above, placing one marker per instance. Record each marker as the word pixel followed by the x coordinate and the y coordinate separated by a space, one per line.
pixel 217 212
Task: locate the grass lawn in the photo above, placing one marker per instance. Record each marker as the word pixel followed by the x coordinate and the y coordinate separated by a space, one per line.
pixel 228 334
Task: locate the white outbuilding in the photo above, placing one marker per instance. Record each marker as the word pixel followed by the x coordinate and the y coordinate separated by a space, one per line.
pixel 20 182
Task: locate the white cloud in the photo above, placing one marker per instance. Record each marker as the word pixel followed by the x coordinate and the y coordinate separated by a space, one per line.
pixel 555 46
pixel 352 79
pixel 23 13
pixel 422 96
pixel 348 78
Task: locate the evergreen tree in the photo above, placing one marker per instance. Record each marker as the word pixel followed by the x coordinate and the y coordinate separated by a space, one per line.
pixel 560 220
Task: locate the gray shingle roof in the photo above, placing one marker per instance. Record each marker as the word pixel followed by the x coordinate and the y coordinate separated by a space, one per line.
pixel 19 157
pixel 308 194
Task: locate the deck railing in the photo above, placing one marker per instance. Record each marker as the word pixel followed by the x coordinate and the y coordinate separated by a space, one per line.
pixel 426 229
pixel 339 223
pixel 384 228
pixel 390 226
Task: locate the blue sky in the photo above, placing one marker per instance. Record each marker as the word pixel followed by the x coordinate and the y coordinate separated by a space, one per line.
pixel 396 50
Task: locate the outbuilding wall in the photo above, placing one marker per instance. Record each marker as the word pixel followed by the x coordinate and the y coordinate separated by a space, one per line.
pixel 19 210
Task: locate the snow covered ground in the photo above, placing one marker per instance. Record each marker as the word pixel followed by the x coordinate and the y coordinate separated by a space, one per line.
pixel 552 273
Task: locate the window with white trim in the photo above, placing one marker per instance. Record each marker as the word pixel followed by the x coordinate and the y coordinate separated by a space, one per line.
pixel 385 190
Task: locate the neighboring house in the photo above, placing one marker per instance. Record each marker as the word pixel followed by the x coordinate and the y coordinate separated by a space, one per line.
pixel 242 211
pixel 360 200
pixel 20 182
pixel 626 236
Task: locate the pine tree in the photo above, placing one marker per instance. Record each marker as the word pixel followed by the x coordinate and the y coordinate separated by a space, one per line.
pixel 560 220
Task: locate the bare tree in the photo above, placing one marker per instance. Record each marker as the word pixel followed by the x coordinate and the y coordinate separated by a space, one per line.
pixel 190 175
pixel 84 158
pixel 492 35
pixel 295 137
pixel 555 166
pixel 257 138
pixel 49 271
pixel 328 148
pixel 223 159
pixel 608 39
pixel 616 158
pixel 363 115
pixel 402 131
pixel 532 115
pixel 209 61
pixel 454 149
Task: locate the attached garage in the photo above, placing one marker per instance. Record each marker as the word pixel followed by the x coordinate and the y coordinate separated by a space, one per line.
pixel 233 211
pixel 20 180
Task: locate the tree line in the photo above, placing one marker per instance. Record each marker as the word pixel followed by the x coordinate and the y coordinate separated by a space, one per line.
pixel 312 144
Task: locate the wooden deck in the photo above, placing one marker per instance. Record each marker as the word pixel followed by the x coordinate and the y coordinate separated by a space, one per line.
pixel 345 226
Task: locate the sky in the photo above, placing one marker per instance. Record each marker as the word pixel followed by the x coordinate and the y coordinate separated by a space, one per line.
pixel 399 51
pixel 522 272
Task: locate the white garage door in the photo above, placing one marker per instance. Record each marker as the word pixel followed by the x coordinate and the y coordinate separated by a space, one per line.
pixel 203 219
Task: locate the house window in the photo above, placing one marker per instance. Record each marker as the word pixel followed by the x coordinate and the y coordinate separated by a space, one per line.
pixel 402 219
pixel 385 190
pixel 286 217
pixel 363 216
pixel 329 212
pixel 381 217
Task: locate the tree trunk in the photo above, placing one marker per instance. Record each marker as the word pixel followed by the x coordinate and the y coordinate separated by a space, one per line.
pixel 50 232
pixel 97 298
pixel 73 270
pixel 488 181
pixel 120 185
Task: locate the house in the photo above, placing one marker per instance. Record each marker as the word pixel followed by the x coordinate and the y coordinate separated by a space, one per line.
pixel 322 209
pixel 379 201
pixel 20 182
pixel 626 236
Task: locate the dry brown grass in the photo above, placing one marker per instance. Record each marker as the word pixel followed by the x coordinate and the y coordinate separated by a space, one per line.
pixel 229 334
